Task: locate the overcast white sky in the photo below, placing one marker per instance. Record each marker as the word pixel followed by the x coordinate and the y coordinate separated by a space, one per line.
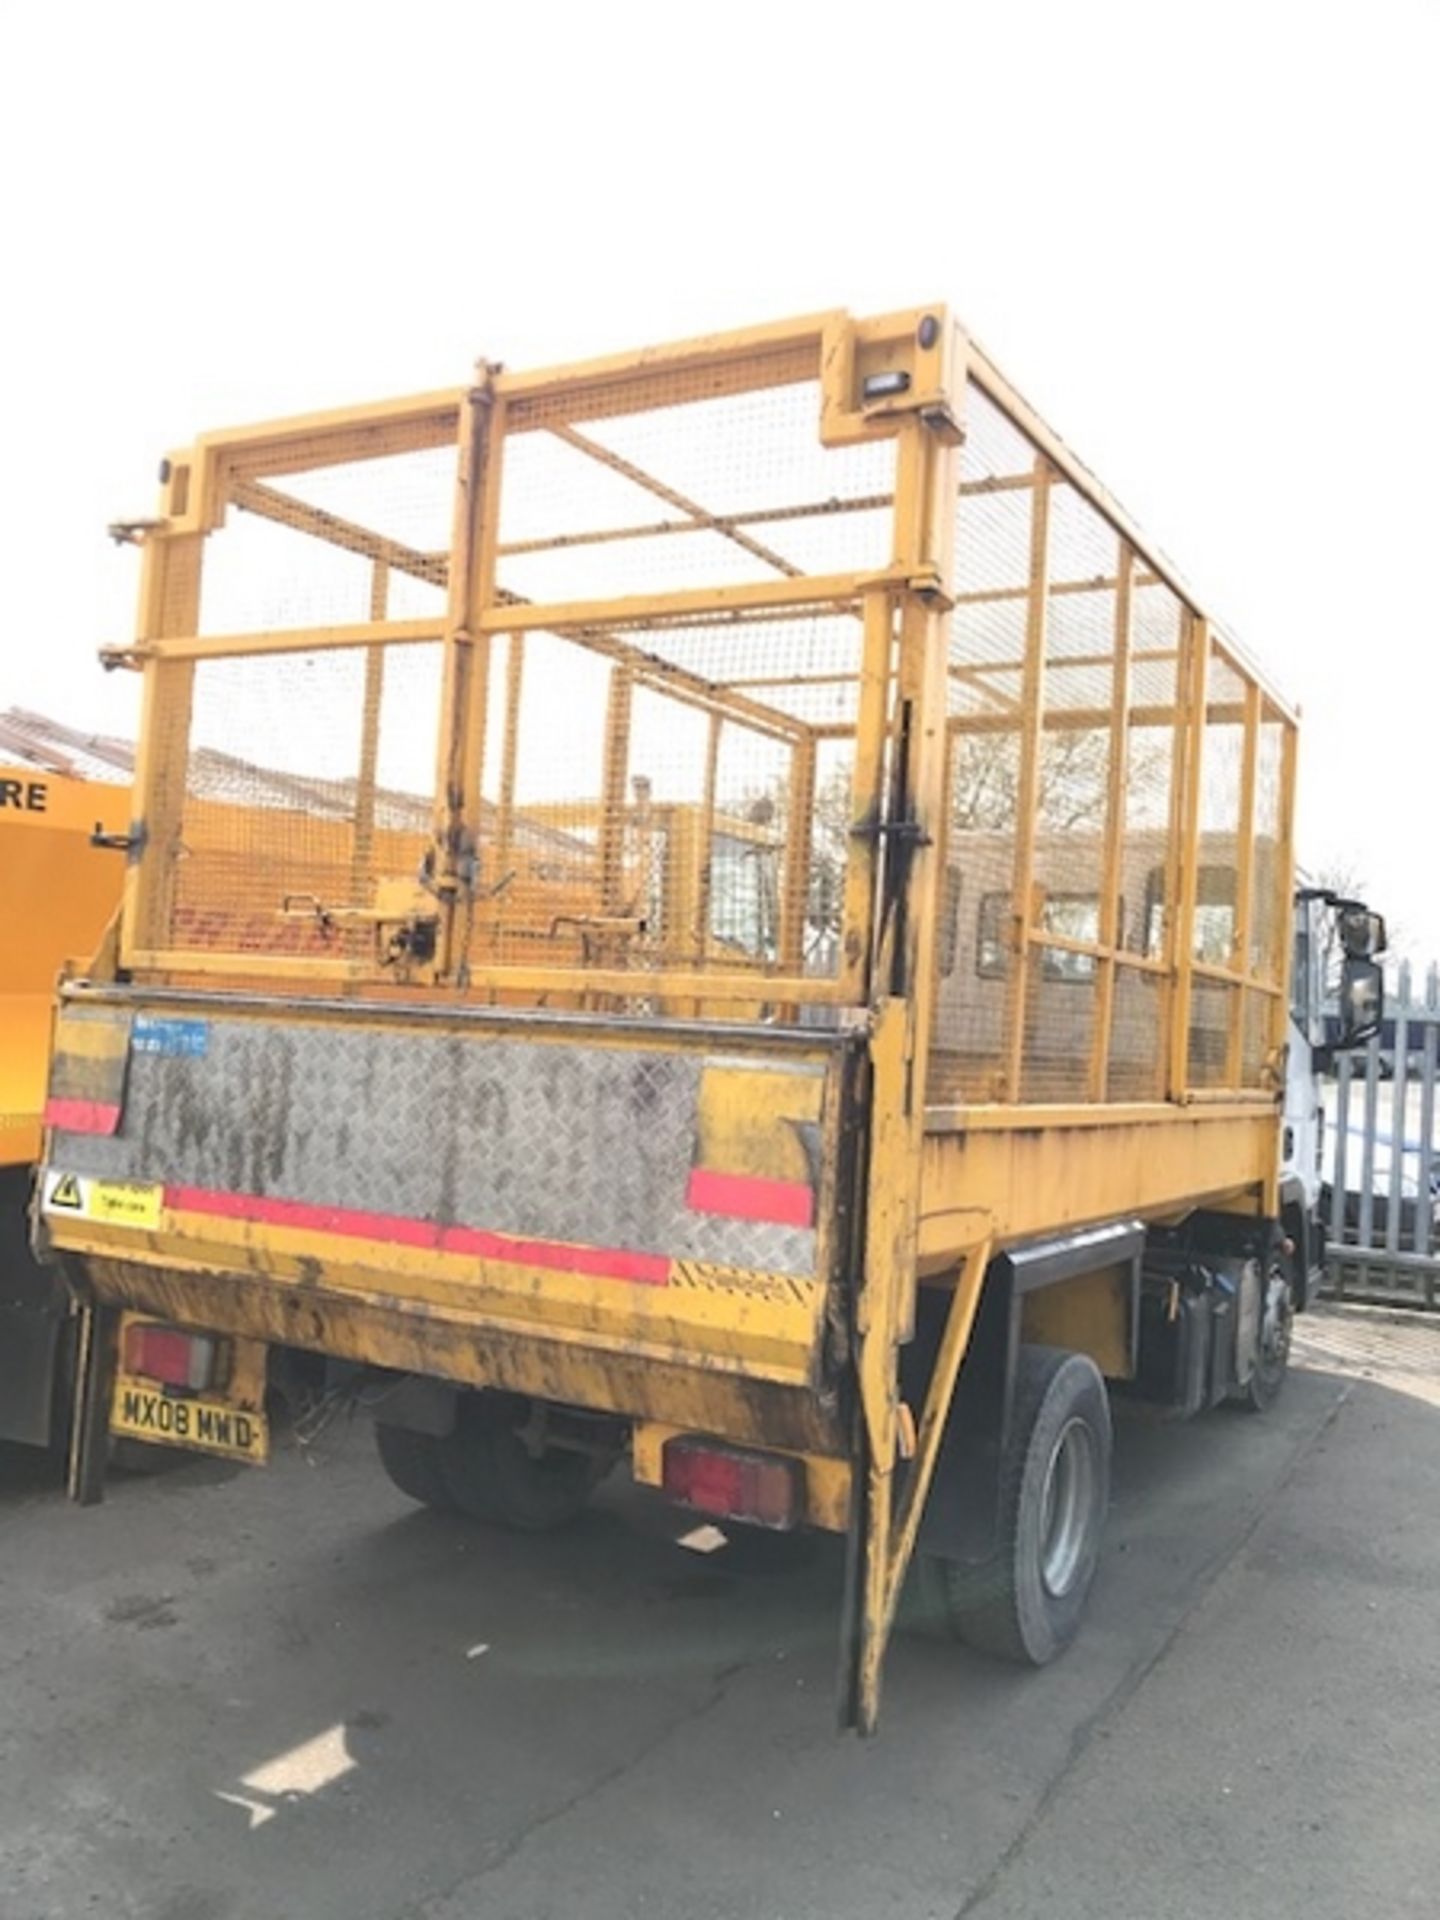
pixel 1200 237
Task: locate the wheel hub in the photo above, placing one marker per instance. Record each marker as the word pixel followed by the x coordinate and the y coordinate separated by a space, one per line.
pixel 1275 1324
pixel 1067 1508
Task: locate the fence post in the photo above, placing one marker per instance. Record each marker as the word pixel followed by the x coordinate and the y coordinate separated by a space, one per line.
pixel 1399 1083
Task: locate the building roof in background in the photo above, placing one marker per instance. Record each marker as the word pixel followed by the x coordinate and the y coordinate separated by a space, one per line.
pixel 34 740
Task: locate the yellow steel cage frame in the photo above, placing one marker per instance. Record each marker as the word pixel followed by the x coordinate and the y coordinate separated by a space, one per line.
pixel 904 664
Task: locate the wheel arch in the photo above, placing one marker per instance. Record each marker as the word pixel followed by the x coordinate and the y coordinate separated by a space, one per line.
pixel 1084 1286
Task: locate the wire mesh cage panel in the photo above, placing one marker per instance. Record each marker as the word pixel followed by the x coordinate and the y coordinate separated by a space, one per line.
pixel 647 777
pixel 1075 846
pixel 627 687
pixel 683 742
pixel 1257 1038
pixel 1213 1005
pixel 1269 918
pixel 302 549
pixel 722 490
pixel 1137 1036
pixel 274 855
pixel 1239 887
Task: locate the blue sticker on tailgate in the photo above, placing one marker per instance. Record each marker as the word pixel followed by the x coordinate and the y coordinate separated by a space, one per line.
pixel 189 1039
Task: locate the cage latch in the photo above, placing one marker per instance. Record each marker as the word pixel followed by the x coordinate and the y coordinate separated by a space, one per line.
pixel 114 842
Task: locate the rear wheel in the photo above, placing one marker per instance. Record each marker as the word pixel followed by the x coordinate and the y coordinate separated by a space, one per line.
pixel 495 1473
pixel 1025 1602
pixel 412 1461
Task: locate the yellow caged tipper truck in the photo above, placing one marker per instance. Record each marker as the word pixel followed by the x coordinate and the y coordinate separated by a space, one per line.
pixel 826 1029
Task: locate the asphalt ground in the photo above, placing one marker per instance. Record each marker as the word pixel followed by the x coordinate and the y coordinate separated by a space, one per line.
pixel 232 1694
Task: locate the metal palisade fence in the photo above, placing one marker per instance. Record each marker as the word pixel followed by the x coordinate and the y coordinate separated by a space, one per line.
pixel 1379 1161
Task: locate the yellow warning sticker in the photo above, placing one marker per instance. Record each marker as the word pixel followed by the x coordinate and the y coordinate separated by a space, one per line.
pixel 125 1202
pixel 120 1203
pixel 66 1194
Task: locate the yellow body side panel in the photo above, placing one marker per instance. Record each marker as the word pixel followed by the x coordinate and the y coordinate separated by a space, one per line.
pixel 1035 1171
pixel 1090 1314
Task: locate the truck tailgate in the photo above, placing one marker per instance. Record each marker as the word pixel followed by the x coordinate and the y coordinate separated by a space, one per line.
pixel 505 1191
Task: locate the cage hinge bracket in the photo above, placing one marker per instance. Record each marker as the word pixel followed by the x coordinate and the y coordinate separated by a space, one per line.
pixel 134 533
pixel 903 833
pixel 928 586
pixel 131 658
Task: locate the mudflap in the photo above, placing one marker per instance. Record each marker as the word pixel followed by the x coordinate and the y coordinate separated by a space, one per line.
pixel 37 1330
pixel 36 1355
pixel 98 1349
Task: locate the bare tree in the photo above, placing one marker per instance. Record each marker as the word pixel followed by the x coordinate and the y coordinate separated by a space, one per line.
pixel 1072 781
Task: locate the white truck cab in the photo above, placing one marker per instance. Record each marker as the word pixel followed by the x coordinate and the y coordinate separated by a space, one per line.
pixel 1328 929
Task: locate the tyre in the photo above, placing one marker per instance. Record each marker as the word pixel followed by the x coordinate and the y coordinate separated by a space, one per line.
pixel 1272 1361
pixel 1025 1603
pixel 412 1461
pixel 491 1474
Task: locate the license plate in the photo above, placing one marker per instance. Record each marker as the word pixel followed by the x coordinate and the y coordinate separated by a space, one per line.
pixel 142 1412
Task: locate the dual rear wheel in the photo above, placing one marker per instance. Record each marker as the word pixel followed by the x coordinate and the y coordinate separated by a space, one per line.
pixel 488 1468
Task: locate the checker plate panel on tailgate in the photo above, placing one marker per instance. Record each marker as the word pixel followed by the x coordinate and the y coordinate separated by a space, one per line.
pixel 566 1139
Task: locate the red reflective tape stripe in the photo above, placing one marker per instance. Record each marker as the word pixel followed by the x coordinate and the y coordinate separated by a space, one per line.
pixel 82 1116
pixel 745 1196
pixel 601 1263
pixel 296 1213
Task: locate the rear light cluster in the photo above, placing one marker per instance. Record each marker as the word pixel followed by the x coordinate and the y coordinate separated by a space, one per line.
pixel 730 1484
pixel 166 1354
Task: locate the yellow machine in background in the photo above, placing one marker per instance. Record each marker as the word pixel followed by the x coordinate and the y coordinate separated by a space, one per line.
pixel 58 891
pixel 823 1031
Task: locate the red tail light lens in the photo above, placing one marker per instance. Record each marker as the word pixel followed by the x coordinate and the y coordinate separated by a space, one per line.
pixel 166 1354
pixel 730 1484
